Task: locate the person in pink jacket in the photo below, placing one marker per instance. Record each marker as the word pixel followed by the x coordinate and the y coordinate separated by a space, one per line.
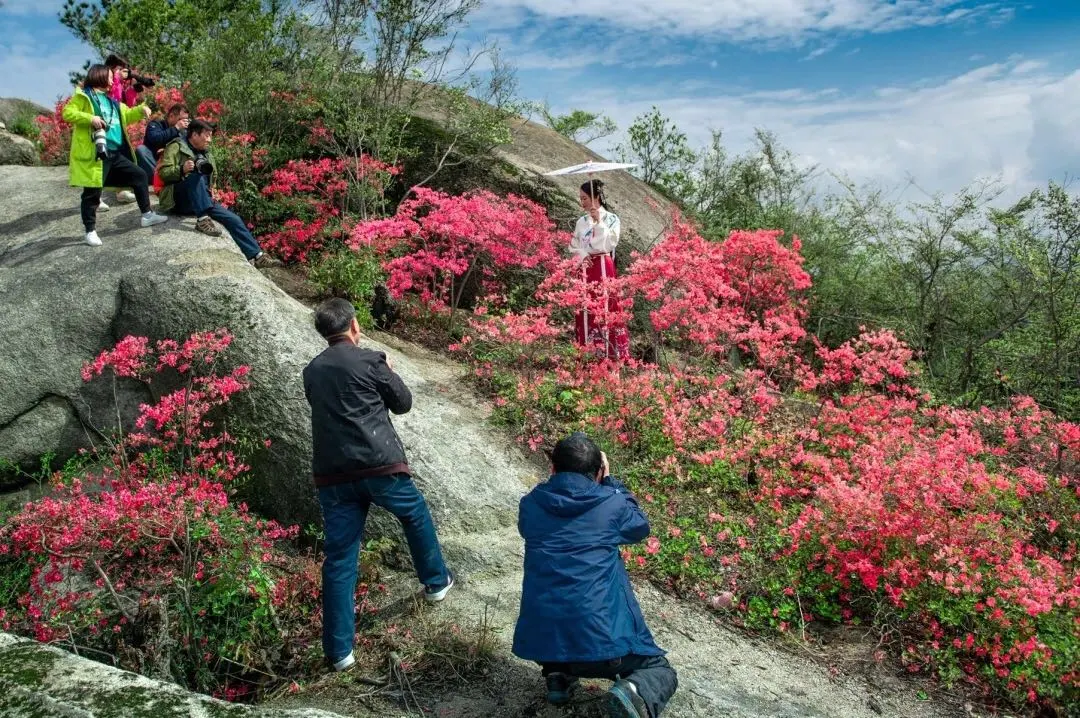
pixel 123 88
pixel 122 92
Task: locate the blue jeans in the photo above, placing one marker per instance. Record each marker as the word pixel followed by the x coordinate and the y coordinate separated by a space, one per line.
pixel 344 509
pixel 147 162
pixel 192 196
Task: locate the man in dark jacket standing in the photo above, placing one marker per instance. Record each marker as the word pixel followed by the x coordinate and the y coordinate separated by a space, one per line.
pixel 579 617
pixel 358 460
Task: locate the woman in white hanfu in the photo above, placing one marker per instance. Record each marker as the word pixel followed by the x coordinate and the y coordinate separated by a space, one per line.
pixel 595 237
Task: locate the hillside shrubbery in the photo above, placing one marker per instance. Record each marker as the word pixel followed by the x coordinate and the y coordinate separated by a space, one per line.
pixel 806 483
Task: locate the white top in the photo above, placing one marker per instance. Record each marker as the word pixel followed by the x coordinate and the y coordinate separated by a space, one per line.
pixel 596 237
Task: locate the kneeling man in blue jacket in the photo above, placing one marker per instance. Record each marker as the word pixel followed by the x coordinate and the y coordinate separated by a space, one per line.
pixel 579 617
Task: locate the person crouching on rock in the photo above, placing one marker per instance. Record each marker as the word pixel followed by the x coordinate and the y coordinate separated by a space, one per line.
pixel 101 154
pixel 579 617
pixel 187 169
pixel 358 460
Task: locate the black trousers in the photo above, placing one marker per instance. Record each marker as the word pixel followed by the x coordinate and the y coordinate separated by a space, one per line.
pixel 119 171
pixel 653 676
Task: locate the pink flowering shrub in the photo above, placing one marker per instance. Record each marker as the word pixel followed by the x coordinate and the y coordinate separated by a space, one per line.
pixel 146 558
pixel 747 292
pixel 874 360
pixel 441 247
pixel 315 201
pixel 54 139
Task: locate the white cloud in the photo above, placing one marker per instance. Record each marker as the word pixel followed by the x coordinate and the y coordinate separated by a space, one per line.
pixel 1015 121
pixel 818 52
pixel 744 20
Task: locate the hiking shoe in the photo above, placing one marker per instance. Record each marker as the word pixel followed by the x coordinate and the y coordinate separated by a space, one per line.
pixel 559 686
pixel 434 594
pixel 623 701
pixel 207 226
pixel 151 218
pixel 263 260
pixel 344 664
pixel 93 239
pixel 125 196
pixel 102 207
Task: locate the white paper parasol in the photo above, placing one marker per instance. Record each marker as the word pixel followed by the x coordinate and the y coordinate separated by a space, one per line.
pixel 588 168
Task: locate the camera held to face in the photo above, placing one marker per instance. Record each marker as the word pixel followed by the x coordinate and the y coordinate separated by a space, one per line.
pixel 141 83
pixel 99 144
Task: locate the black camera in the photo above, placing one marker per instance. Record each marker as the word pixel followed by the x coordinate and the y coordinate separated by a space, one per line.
pixel 141 83
pixel 203 166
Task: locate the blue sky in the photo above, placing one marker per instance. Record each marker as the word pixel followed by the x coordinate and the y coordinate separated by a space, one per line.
pixel 942 91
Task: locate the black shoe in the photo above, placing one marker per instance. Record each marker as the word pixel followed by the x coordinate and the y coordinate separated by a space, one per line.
pixel 623 701
pixel 434 594
pixel 559 686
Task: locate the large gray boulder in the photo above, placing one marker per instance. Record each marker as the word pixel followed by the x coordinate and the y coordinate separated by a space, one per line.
pixel 62 302
pixel 13 108
pixel 16 150
pixel 39 681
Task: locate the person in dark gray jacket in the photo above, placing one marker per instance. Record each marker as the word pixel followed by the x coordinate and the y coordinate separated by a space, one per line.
pixel 359 460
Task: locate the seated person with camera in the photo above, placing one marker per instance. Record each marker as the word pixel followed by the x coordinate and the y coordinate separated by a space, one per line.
pixel 160 133
pixel 101 154
pixel 187 170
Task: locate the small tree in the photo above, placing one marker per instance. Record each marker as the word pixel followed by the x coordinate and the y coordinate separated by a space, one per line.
pixel 384 70
pixel 660 150
pixel 579 125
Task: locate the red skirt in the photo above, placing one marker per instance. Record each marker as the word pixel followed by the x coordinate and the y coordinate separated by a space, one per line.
pixel 606 339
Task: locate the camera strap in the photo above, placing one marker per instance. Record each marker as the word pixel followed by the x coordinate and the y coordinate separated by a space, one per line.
pixel 113 112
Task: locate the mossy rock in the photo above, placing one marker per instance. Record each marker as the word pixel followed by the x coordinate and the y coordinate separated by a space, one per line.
pixel 40 680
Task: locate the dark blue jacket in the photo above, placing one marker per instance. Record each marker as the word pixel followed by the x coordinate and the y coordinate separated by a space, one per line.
pixel 577 604
pixel 158 134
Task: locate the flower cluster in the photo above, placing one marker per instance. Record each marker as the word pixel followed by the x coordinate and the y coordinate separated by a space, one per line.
pixel 316 199
pixel 747 292
pixel 297 241
pixel 326 182
pixel 443 247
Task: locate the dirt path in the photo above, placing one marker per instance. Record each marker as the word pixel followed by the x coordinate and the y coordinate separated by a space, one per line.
pixel 722 672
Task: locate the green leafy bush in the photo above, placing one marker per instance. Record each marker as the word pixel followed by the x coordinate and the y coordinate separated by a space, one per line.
pixel 352 275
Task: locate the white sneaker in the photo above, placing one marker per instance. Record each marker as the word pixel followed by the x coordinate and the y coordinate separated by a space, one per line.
pixel 102 207
pixel 125 196
pixel 434 595
pixel 92 239
pixel 151 218
pixel 345 662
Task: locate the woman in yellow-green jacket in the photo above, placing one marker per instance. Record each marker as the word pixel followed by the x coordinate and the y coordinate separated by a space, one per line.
pixel 101 153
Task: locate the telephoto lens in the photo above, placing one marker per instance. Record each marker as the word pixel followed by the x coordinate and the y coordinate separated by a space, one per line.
pixel 99 143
